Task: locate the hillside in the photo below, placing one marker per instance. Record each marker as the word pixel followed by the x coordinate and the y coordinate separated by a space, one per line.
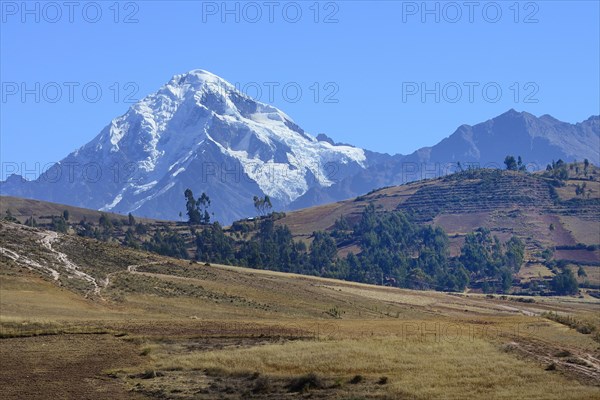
pixel 94 319
pixel 556 220
pixel 42 211
pixel 503 201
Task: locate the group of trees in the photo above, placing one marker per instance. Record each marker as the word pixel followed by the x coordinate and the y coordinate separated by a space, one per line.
pixel 558 170
pixel 197 209
pixel 393 251
pixel 514 165
pixel 262 204
pixel 490 261
pixel 565 282
pixel 399 252
pixel 166 242
pixel 271 247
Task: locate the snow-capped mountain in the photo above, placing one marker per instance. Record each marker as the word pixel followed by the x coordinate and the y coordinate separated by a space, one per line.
pixel 196 131
pixel 199 132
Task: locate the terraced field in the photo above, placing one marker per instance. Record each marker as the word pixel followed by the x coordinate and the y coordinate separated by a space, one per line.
pixel 506 202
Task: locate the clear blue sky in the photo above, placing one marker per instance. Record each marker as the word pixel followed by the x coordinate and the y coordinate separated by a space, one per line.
pixel 371 57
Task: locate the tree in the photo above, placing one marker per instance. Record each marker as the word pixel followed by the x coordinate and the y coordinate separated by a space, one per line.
pixel 66 215
pixel 130 219
pixel 515 253
pixel 564 283
pixel 267 206
pixel 130 239
pixel 192 207
pixel 31 222
pixel 581 272
pixel 511 163
pixel 58 224
pixel 322 252
pixel 257 204
pixel 520 165
pixel 202 205
pixel 547 254
pixel 586 164
pixel 104 222
pixel 476 253
pixel 262 204
pixel 141 229
pixel 506 279
pixel 559 170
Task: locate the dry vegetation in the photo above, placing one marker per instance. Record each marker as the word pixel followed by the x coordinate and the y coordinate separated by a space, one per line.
pixel 509 203
pixel 161 328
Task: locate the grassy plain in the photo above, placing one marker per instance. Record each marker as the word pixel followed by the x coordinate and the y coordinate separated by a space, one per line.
pixel 159 328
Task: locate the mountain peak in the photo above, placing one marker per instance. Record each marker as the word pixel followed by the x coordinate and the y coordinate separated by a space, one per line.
pixel 512 113
pixel 197 131
pixel 197 76
pixel 194 83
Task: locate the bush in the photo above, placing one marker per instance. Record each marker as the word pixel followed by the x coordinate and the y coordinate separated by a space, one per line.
pixel 565 283
pixel 305 382
pixel 261 385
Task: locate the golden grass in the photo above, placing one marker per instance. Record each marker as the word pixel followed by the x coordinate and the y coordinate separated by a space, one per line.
pixel 17 327
pixel 417 369
pixel 169 305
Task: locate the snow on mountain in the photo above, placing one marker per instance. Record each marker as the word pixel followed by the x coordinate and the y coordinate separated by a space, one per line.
pixel 197 131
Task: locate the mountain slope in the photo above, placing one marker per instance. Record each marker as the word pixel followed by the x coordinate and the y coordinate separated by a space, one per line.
pixel 199 132
pixel 506 202
pixel 537 140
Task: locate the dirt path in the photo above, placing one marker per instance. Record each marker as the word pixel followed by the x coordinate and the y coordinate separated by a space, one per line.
pixel 29 263
pixel 49 237
pixel 130 268
pixel 65 367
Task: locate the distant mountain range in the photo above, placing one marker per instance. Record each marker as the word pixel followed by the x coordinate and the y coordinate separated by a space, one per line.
pixel 538 141
pixel 199 132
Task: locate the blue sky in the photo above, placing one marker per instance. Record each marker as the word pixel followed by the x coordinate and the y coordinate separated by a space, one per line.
pixel 361 66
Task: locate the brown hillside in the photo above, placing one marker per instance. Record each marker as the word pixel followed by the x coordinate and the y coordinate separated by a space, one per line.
pixel 530 206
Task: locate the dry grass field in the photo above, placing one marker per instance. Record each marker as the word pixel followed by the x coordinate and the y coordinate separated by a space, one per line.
pixel 84 319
